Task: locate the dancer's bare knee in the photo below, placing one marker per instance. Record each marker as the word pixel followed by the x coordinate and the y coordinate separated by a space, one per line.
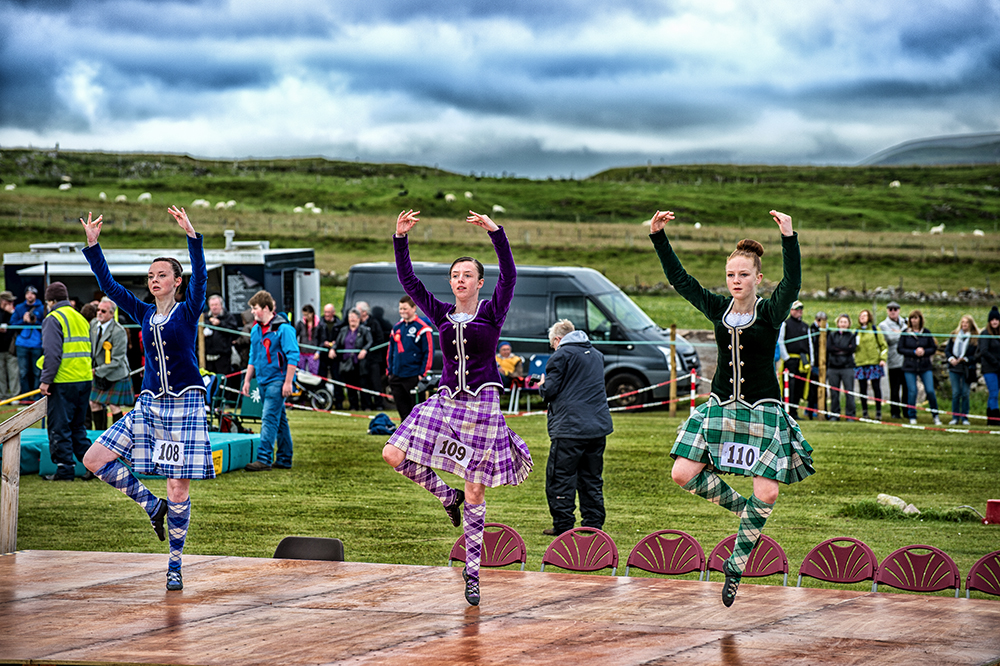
pixel 392 455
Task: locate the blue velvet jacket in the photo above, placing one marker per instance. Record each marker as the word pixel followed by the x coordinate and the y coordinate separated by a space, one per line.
pixel 468 349
pixel 170 348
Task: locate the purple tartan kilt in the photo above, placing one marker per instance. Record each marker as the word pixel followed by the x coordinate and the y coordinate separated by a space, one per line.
pixel 868 372
pixel 493 455
pixel 181 419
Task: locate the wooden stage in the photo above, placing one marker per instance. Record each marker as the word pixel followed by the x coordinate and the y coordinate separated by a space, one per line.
pixel 111 608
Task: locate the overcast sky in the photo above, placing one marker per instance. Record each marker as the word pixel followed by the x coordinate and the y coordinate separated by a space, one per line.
pixel 534 87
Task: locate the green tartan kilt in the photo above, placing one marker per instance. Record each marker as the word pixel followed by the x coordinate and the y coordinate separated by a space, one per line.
pixel 736 439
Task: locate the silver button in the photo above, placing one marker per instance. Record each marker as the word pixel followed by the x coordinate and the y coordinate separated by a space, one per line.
pixel 730 346
pixel 741 362
pixel 730 380
pixel 741 346
pixel 466 372
pixel 741 379
pixel 730 363
pixel 456 358
pixel 466 357
pixel 464 340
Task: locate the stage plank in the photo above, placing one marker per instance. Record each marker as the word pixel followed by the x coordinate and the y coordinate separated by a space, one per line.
pixel 112 608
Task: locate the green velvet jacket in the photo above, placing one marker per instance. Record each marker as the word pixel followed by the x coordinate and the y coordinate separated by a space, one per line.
pixel 745 372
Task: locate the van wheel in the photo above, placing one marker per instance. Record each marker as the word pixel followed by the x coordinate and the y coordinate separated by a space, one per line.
pixel 321 399
pixel 625 382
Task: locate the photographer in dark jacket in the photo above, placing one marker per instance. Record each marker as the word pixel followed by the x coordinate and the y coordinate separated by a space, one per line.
pixel 219 344
pixel 840 348
pixel 579 422
pixel 917 347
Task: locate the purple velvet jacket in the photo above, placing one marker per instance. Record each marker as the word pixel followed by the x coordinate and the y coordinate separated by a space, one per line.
pixel 469 348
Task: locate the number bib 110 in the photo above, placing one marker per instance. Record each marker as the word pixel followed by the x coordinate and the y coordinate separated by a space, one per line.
pixel 167 453
pixel 740 456
pixel 453 450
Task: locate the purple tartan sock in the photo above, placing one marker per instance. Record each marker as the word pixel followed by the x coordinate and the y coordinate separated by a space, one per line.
pixel 178 519
pixel 117 475
pixel 425 477
pixel 475 523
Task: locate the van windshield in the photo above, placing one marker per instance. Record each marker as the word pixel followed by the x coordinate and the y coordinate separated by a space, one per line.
pixel 622 308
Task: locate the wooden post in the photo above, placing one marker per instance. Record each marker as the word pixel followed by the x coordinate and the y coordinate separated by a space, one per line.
pixel 821 396
pixel 673 370
pixel 10 436
pixel 201 341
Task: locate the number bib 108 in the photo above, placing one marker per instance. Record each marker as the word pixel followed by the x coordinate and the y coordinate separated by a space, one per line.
pixel 740 456
pixel 453 450
pixel 167 453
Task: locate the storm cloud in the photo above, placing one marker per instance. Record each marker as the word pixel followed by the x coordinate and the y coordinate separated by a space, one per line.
pixel 535 88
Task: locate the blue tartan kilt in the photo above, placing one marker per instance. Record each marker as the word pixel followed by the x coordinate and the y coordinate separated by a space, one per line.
pixel 176 420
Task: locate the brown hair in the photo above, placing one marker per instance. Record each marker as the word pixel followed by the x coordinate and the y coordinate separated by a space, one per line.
pixel 916 313
pixel 750 249
pixel 871 320
pixel 174 265
pixel 262 299
pixel 479 266
pixel 408 301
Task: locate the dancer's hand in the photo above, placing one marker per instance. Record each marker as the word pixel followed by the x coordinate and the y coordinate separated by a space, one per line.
pixel 93 228
pixel 659 220
pixel 481 221
pixel 784 222
pixel 406 221
pixel 182 220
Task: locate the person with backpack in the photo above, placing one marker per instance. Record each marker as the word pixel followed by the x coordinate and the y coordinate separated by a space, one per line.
pixel 274 355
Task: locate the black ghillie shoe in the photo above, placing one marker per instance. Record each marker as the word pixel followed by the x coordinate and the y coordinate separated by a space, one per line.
pixel 454 510
pixel 157 520
pixel 472 592
pixel 730 586
pixel 174 581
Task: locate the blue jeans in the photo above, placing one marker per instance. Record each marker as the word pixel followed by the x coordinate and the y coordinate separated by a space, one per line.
pixel 927 377
pixel 27 357
pixel 274 426
pixel 992 388
pixel 959 394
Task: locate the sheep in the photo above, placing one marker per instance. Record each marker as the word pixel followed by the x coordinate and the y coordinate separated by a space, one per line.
pixel 497 208
pixel 449 198
pixel 220 206
pixel 298 209
pixel 316 209
pixel 894 183
pixel 978 232
pixel 468 195
pixel 102 196
pixel 939 229
pixel 145 196
pixel 231 203
pixel 10 187
pixel 697 225
pixel 201 203
pixel 65 186
pixel 121 198
pixel 309 204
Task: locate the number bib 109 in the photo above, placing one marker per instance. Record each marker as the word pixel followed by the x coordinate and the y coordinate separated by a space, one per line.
pixel 453 450
pixel 167 453
pixel 740 456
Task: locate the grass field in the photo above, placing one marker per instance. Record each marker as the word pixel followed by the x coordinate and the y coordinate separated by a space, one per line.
pixel 340 487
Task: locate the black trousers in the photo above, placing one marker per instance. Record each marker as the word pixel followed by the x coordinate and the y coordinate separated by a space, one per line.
pixel 796 387
pixel 575 466
pixel 371 379
pixel 67 408
pixel 897 390
pixel 400 388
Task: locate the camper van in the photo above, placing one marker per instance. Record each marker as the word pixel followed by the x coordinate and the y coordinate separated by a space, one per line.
pixel 636 350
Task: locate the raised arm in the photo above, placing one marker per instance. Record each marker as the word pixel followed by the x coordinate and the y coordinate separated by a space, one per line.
pixel 787 290
pixel 709 304
pixel 122 297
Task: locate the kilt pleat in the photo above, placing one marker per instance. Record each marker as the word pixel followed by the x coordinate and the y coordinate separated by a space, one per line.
pixel 497 455
pixel 785 455
pixel 120 393
pixel 177 419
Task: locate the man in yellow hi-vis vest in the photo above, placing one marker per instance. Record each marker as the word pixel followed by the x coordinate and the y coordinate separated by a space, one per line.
pixel 66 377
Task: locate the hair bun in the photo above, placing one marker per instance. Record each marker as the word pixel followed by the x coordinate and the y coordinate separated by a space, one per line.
pixel 748 245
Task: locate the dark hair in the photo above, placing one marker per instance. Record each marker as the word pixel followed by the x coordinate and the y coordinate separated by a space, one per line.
pixel 408 301
pixel 308 308
pixel 479 266
pixel 750 249
pixel 919 314
pixel 174 264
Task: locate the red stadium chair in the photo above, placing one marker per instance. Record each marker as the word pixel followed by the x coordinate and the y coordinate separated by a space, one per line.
pixel 908 569
pixel 766 559
pixel 582 549
pixel 840 560
pixel 502 545
pixel 985 575
pixel 668 552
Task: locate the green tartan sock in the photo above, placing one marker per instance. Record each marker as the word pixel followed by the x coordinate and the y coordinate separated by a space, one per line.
pixel 708 485
pixel 752 522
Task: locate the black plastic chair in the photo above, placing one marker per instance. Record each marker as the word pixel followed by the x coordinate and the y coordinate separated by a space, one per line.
pixel 310 548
